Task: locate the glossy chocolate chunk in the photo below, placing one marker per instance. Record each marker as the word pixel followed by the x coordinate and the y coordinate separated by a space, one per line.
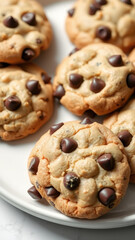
pixel 94 8
pixel 131 80
pixel 68 145
pixel 52 192
pixel 106 196
pixel 71 12
pixel 10 22
pixel 116 60
pixel 34 87
pixel 97 85
pixel 74 51
pixel 104 33
pixel 12 103
pixel 75 80
pixel 29 18
pixel 59 92
pixel 101 2
pixel 55 127
pixel 86 121
pixel 106 161
pixel 34 193
pixel 4 65
pixel 125 137
pixel 71 181
pixel 90 113
pixel 46 79
pixel 127 2
pixel 34 165
pixel 28 54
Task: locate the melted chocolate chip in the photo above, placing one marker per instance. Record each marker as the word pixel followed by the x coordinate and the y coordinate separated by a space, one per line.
pixel 34 165
pixel 28 54
pixel 101 2
pixel 59 92
pixel 75 80
pixel 12 103
pixel 127 2
pixel 29 18
pixel 104 33
pixel 106 196
pixel 4 65
pixel 33 86
pixel 55 127
pixel 46 79
pixel 68 145
pixel 71 181
pixel 116 61
pixel 52 192
pixel 86 121
pixel 74 51
pixel 106 161
pixel 10 22
pixel 90 113
pixel 125 137
pixel 97 85
pixel 94 8
pixel 34 193
pixel 71 12
pixel 131 80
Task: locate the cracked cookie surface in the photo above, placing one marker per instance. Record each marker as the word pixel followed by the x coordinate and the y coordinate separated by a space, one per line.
pixel 26 101
pixel 24 30
pixel 97 78
pixel 122 124
pixel 97 21
pixel 80 168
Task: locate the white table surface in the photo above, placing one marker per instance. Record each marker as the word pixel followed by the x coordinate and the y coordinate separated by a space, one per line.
pixel 17 225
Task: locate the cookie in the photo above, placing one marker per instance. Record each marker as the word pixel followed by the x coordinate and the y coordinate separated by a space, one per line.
pixel 132 56
pixel 98 77
pixel 80 168
pixel 122 124
pixel 24 32
pixel 26 101
pixel 102 21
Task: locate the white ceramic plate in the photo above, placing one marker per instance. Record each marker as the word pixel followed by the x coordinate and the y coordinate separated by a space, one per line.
pixel 14 180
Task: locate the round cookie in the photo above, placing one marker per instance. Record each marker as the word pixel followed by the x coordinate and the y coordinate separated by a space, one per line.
pixel 84 174
pixel 98 77
pixel 122 124
pixel 24 30
pixel 102 21
pixel 26 101
pixel 132 57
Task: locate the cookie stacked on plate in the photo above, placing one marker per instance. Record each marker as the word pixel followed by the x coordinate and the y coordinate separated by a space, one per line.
pixel 25 91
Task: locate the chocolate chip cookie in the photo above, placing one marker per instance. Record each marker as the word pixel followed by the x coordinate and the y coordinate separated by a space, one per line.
pixel 122 124
pixel 80 168
pixel 102 21
pixel 132 56
pixel 26 101
pixel 25 30
pixel 98 77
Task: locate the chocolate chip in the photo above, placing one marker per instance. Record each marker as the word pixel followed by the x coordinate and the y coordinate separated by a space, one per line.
pixel 34 193
pixel 68 145
pixel 59 92
pixel 104 33
pixel 116 60
pixel 3 64
pixel 71 12
pixel 74 51
pixel 106 161
pixel 94 8
pixel 127 2
pixel 55 127
pixel 75 80
pixel 33 86
pixel 131 80
pixel 86 121
pixel 106 196
pixel 97 85
pixel 52 192
pixel 101 2
pixel 125 137
pixel 10 22
pixel 90 113
pixel 12 103
pixel 46 79
pixel 71 181
pixel 34 165
pixel 28 54
pixel 29 18
pixel 38 41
